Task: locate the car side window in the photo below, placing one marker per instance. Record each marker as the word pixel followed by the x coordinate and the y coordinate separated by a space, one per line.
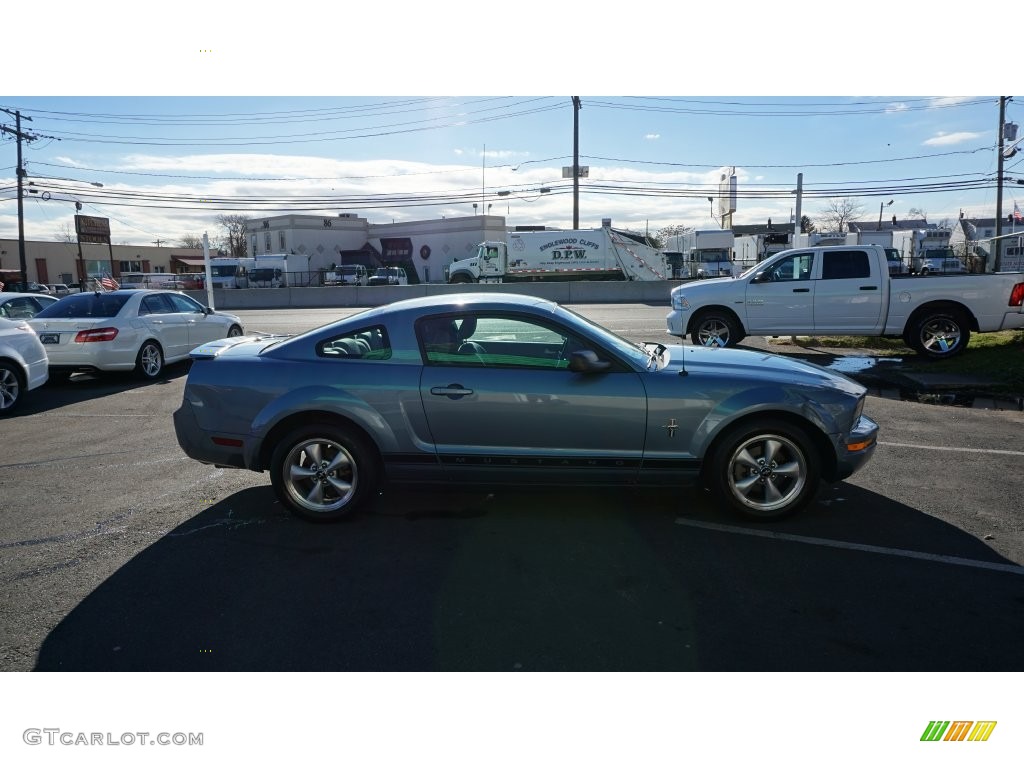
pixel 795 267
pixel 183 303
pixel 498 341
pixel 154 305
pixel 844 265
pixel 363 344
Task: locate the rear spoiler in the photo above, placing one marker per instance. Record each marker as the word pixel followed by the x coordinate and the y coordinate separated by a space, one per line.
pixel 215 348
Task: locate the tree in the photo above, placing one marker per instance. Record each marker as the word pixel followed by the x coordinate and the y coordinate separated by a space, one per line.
pixel 918 213
pixel 191 241
pixel 839 212
pixel 806 225
pixel 233 240
pixel 66 234
pixel 666 235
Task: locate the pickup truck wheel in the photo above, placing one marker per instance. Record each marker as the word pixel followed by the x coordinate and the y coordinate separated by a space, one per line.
pixel 939 334
pixel 765 470
pixel 715 329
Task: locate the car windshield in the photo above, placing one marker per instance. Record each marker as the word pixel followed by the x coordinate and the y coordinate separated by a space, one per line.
pixel 710 257
pixel 86 305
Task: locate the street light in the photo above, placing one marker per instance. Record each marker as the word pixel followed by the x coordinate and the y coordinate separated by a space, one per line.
pixel 882 207
pixel 712 201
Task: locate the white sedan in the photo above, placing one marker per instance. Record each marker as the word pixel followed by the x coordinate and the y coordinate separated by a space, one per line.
pixel 127 330
pixel 23 363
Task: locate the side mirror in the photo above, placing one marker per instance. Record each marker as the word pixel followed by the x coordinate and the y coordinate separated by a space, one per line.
pixel 585 361
pixel 760 277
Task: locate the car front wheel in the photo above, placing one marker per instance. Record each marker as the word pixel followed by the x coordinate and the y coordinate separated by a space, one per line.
pixel 715 329
pixel 150 361
pixel 765 471
pixel 234 331
pixel 323 473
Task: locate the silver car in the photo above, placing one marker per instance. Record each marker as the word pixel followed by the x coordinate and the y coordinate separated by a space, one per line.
pixel 490 389
pixel 23 363
pixel 127 330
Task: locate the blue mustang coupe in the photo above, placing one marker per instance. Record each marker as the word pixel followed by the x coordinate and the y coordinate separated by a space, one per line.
pixel 504 389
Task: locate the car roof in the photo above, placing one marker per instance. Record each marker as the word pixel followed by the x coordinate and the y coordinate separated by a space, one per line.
pixel 15 294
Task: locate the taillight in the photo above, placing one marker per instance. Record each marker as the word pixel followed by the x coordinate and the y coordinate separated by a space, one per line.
pixel 1017 295
pixel 96 334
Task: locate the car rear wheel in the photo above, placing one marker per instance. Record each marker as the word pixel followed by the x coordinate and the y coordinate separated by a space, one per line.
pixel 939 334
pixel 150 361
pixel 766 470
pixel 715 329
pixel 323 473
pixel 11 390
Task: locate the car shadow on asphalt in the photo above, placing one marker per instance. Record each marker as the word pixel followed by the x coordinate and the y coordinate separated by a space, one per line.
pixel 551 580
pixel 82 387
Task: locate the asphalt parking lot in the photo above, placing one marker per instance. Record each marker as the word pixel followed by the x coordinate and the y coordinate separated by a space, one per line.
pixel 117 552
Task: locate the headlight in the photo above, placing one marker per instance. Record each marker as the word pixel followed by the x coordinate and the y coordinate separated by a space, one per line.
pixel 679 302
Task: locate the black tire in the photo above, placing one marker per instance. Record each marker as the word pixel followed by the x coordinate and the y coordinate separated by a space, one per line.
pixel 323 473
pixel 234 331
pixel 149 363
pixel 765 470
pixel 939 334
pixel 12 388
pixel 713 328
pixel 460 279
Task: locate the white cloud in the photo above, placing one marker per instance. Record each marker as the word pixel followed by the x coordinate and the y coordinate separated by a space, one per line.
pixel 946 139
pixel 652 136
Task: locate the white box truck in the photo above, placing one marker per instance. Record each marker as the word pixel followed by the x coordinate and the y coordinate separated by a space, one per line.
pixel 570 254
pixel 708 253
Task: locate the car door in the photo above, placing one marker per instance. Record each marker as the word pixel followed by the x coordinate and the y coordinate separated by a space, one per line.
pixel 202 327
pixel 780 298
pixel 502 406
pixel 848 293
pixel 164 324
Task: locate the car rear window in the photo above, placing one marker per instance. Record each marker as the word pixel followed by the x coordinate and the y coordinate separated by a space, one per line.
pixel 86 305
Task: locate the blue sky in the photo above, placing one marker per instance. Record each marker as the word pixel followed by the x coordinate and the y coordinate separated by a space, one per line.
pixel 650 159
pixel 172 153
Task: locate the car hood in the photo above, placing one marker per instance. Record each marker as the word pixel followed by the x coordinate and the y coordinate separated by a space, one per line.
pixel 757 366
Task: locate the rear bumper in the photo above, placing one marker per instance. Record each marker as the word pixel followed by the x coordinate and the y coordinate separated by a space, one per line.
pixel 198 443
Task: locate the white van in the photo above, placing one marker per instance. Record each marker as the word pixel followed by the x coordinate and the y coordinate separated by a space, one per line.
pixel 347 274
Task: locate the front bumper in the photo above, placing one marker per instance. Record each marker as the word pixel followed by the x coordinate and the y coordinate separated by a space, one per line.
pixel 675 322
pixel 855 449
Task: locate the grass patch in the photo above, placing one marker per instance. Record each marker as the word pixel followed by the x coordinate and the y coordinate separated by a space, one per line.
pixel 998 357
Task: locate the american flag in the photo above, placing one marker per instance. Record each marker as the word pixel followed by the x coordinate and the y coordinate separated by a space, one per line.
pixel 109 283
pixel 1017 218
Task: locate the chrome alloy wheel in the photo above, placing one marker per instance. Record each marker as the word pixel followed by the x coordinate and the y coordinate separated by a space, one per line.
pixel 10 388
pixel 767 472
pixel 713 332
pixel 940 335
pixel 320 475
pixel 151 360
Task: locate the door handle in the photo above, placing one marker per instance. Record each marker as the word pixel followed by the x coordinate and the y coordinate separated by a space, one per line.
pixel 869 287
pixel 801 290
pixel 452 391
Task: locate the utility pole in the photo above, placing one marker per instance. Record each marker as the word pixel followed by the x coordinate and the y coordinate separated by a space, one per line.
pixel 21 199
pixel 576 107
pixel 997 243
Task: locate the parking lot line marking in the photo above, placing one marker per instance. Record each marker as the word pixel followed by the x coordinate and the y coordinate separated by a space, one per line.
pixel 870 548
pixel 952 448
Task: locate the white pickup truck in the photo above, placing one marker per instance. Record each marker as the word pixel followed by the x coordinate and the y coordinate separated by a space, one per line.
pixel 846 290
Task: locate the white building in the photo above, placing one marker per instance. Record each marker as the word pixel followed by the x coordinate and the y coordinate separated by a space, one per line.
pixel 424 248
